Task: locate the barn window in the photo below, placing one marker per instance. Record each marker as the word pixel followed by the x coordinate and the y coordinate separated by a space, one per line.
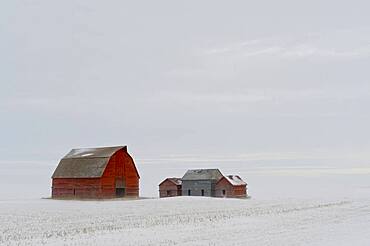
pixel 202 192
pixel 189 192
pixel 223 192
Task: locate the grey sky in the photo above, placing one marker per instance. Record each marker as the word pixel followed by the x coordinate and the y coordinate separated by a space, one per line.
pixel 197 78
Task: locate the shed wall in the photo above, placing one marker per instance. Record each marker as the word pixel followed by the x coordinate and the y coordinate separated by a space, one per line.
pixel 231 191
pixel 196 187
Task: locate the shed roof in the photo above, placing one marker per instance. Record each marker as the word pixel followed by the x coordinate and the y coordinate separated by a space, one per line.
pixel 235 180
pixel 176 181
pixel 202 174
pixel 85 163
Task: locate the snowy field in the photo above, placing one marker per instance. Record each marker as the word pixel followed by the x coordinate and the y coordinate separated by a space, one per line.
pixel 289 206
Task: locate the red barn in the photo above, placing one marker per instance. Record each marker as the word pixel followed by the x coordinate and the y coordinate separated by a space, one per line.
pixel 96 173
pixel 170 187
pixel 231 186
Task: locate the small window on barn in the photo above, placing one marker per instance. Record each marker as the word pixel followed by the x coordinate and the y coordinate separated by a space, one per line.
pixel 223 192
pixel 189 192
pixel 202 192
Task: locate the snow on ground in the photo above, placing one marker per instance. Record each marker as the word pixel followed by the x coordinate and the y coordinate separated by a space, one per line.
pixel 289 206
pixel 185 221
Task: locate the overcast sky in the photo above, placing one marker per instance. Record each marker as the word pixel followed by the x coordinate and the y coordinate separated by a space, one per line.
pixel 246 79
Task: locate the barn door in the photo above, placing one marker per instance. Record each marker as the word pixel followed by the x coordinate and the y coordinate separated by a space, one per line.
pixel 120 187
pixel 120 192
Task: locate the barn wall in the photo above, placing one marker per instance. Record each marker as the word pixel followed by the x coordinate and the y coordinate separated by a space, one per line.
pixel 108 179
pixel 76 188
pixel 223 184
pixel 240 191
pixel 132 178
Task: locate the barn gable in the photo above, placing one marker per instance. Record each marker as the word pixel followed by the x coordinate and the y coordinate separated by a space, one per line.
pixel 85 163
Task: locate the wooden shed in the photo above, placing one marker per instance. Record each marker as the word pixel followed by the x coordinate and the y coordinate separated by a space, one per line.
pixel 96 173
pixel 170 187
pixel 231 186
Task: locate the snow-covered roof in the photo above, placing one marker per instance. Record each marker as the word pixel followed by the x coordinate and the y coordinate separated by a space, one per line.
pixel 202 174
pixel 176 181
pixel 235 180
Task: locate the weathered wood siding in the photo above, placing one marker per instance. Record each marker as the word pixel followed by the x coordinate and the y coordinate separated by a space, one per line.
pixel 72 187
pixel 196 186
pixel 169 189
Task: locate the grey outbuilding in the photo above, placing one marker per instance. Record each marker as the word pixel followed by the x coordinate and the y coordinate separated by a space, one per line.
pixel 200 182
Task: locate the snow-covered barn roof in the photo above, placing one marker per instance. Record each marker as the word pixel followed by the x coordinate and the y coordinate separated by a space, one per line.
pixel 85 163
pixel 234 180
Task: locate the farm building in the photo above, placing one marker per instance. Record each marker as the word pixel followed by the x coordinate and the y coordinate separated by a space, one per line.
pixel 200 182
pixel 170 187
pixel 93 173
pixel 231 186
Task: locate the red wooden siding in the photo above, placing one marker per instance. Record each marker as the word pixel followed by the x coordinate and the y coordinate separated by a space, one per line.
pixel 232 191
pixel 120 169
pixel 72 187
